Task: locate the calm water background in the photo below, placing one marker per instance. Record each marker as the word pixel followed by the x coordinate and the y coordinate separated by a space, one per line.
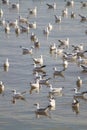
pixel 21 115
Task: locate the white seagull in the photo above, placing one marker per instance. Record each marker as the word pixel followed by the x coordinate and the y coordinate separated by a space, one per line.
pixel 7 28
pixel 57 19
pixel 75 105
pixel 55 90
pixel 52 103
pixel 58 72
pixel 2 87
pixel 70 3
pixel 83 4
pixel 78 94
pixel 64 43
pixel 38 60
pixel 1 13
pixel 27 50
pixel 65 12
pixel 5 2
pixel 39 68
pixel 15 6
pixel 53 47
pixel 23 19
pixel 35 86
pixel 79 82
pixel 46 31
pixel 50 27
pixel 6 65
pixel 33 11
pixel 18 95
pixel 41 111
pixel 43 81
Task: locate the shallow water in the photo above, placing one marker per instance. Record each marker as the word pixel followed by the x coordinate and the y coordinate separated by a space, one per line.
pixel 21 114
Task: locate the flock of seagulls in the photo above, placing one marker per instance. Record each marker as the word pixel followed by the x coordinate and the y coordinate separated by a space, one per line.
pixel 77 56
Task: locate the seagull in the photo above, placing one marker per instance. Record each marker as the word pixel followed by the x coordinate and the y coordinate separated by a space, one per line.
pixel 1 13
pixel 3 22
pixel 33 37
pixel 37 76
pixel 2 87
pixel 64 43
pixel 35 86
pixel 36 43
pixel 79 82
pixel 51 6
pixel 24 29
pixel 43 81
pixel 52 103
pixel 39 68
pixel 23 19
pixel 69 56
pixel 75 105
pixel 73 15
pixel 59 51
pixel 70 3
pixel 15 5
pixel 83 4
pixel 27 50
pixel 38 60
pixel 84 67
pixel 5 2
pixel 65 12
pixel 80 94
pixel 55 90
pixel 18 95
pixel 33 25
pixel 46 31
pixel 33 11
pixel 17 30
pixel 6 65
pixel 83 18
pixel 78 47
pixel 50 27
pixel 41 111
pixel 57 19
pixel 58 72
pixel 65 64
pixel 53 47
pixel 7 28
pixel 13 23
pixel 81 61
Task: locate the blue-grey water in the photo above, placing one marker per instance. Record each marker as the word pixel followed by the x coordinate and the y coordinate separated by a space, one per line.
pixel 21 114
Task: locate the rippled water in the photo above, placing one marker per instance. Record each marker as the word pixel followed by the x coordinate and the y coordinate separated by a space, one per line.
pixel 21 115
